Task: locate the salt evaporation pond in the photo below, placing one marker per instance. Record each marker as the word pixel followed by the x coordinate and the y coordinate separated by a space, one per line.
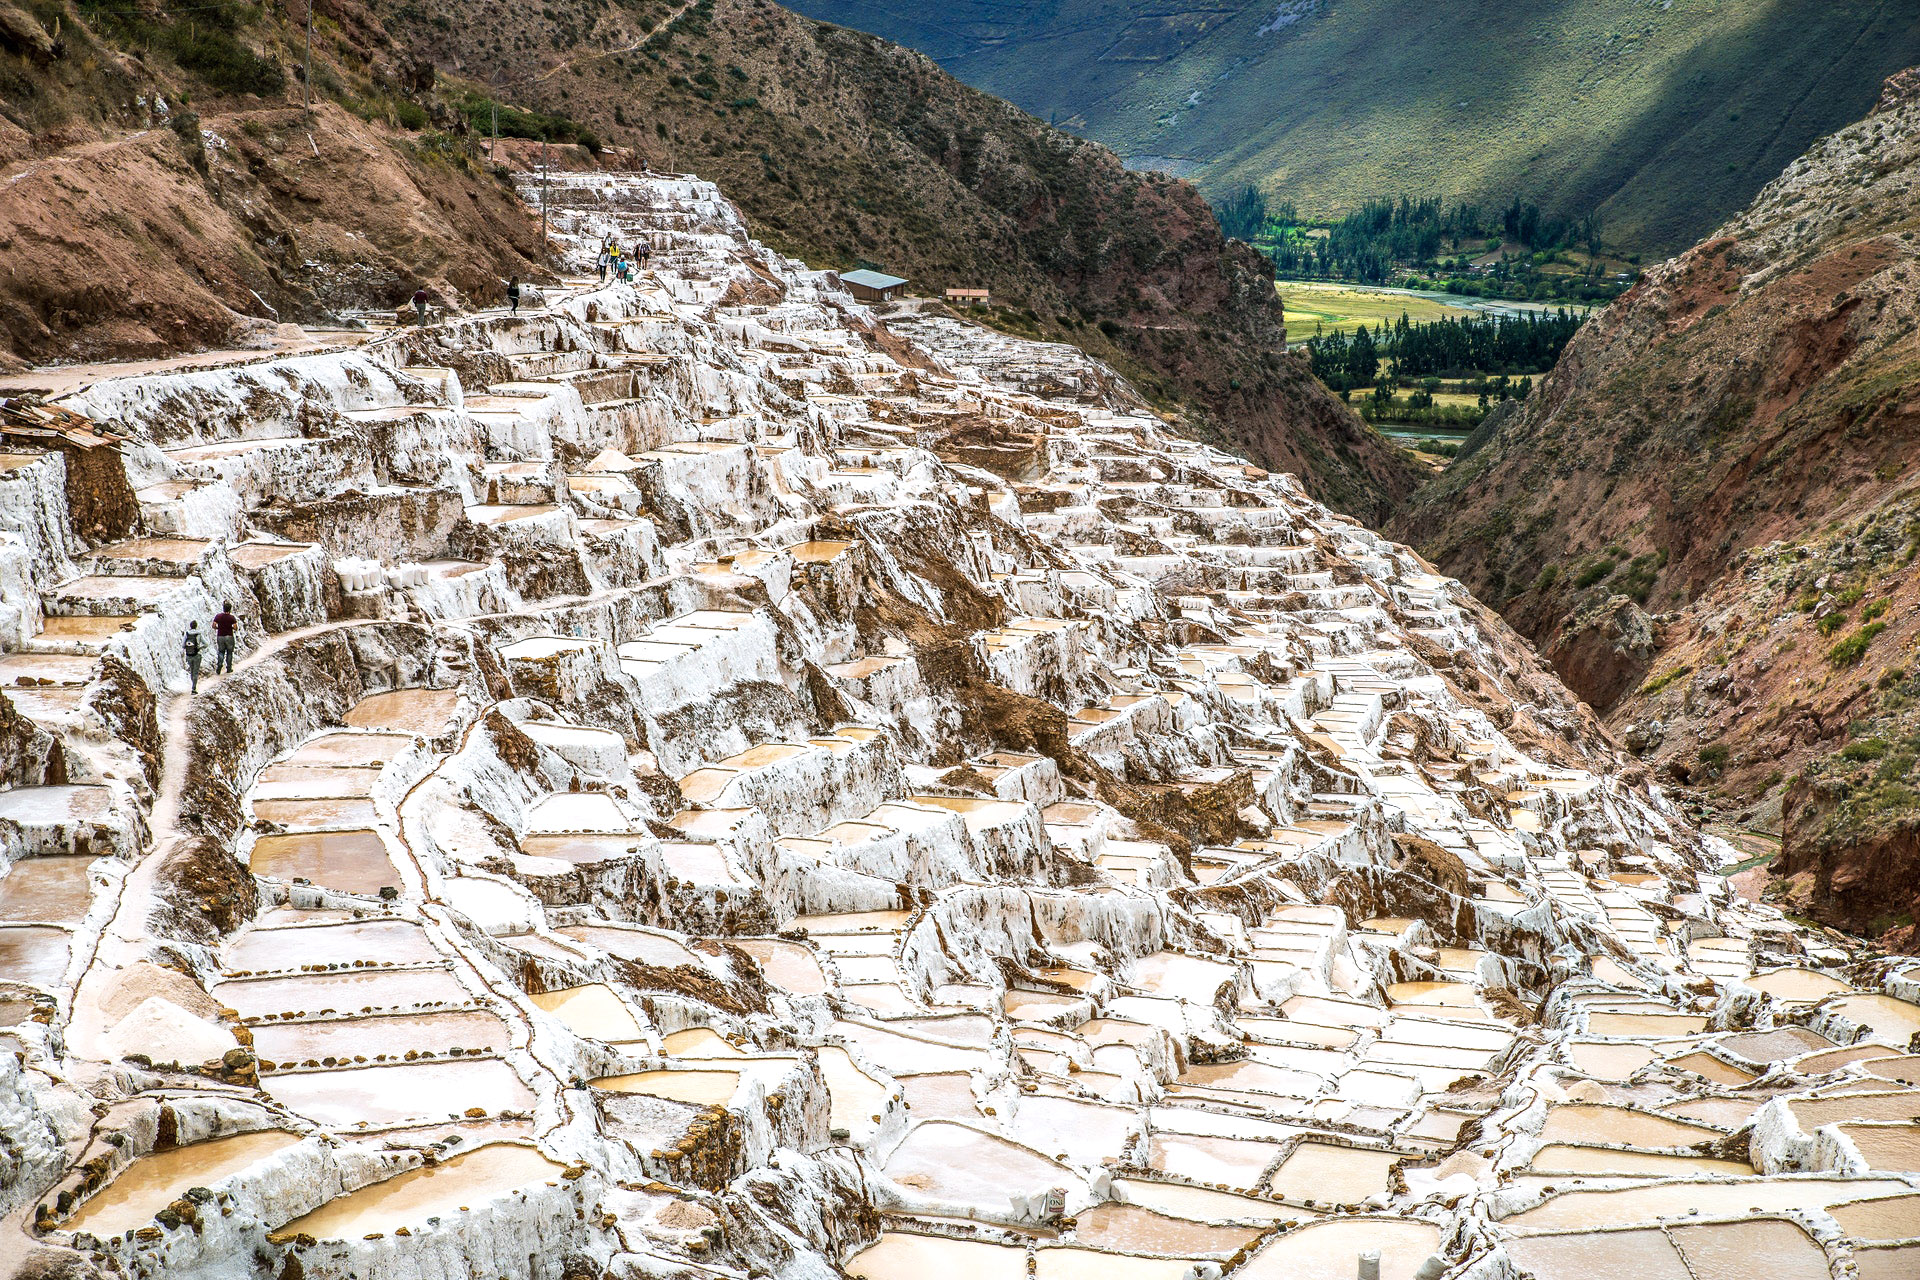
pixel 1329 1174
pixel 595 1011
pixel 1893 1020
pixel 354 989
pixel 52 889
pixel 951 1161
pixel 457 1183
pixel 1179 1200
pixel 1131 1228
pixel 1721 1251
pixel 393 1035
pixel 382 1095
pixel 379 941
pixel 1330 1250
pixel 34 955
pixel 423 711
pixel 1573 1210
pixel 1063 1262
pixel 697 1086
pixel 350 861
pixel 152 1182
pixel 898 1255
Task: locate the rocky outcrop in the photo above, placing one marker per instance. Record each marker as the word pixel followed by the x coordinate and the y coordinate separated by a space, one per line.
pixel 1603 651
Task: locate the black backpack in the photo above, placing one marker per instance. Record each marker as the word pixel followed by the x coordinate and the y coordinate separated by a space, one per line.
pixel 193 644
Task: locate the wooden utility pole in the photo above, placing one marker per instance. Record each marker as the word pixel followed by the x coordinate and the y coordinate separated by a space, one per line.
pixel 545 168
pixel 306 76
pixel 494 147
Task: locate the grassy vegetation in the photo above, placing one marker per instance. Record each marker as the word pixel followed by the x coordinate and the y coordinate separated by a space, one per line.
pixel 1663 118
pixel 210 42
pixel 1313 307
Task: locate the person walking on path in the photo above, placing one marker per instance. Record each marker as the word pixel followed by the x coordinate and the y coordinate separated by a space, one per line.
pixel 604 261
pixel 224 625
pixel 513 294
pixel 191 647
pixel 420 303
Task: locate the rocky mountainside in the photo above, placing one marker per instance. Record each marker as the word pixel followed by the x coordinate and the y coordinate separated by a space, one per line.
pixel 161 194
pixel 722 781
pixel 1707 515
pixel 843 149
pixel 1664 117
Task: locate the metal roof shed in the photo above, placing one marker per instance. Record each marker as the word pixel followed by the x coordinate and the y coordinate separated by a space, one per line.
pixel 872 286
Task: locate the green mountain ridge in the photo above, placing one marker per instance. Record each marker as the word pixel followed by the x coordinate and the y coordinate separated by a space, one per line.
pixel 1663 116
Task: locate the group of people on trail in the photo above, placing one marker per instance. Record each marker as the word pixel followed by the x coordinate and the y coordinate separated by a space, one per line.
pixel 224 626
pixel 622 264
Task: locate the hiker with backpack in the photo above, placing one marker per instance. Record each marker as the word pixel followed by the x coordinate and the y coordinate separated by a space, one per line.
pixel 513 295
pixel 191 647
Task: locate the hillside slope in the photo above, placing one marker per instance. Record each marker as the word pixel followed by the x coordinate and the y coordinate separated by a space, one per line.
pixel 164 192
pixel 1737 442
pixel 843 149
pixel 1664 117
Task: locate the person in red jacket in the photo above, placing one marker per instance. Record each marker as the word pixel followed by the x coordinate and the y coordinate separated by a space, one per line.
pixel 224 624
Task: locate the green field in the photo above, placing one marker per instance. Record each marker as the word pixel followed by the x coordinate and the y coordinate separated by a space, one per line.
pixel 1345 307
pixel 1664 117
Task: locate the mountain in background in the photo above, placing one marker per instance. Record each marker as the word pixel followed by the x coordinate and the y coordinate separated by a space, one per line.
pixel 1708 517
pixel 1664 116
pixel 164 192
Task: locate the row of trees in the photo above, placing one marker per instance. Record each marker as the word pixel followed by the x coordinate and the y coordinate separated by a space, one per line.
pixel 1474 346
pixel 1381 236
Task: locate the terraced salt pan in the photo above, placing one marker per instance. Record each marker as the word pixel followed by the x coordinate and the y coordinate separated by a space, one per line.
pixel 582 850
pixel 1712 1068
pixel 901 1256
pixel 34 955
pixel 428 712
pixel 383 1095
pixel 1892 1148
pixel 316 815
pixel 51 889
pixel 1586 1210
pixel 467 1181
pixel 1563 1158
pixel 1230 1162
pixel 394 942
pixel 1578 1123
pixel 1799 986
pixel 347 749
pixel 390 1034
pixel 1330 1250
pixel 152 1182
pixel 1891 1218
pixel 350 861
pixel 345 992
pixel 1892 1020
pixel 1177 1199
pixel 644 946
pixel 702 1087
pixel 1058 1262
pixel 595 1011
pixel 858 1100
pixel 958 1163
pixel 1330 1174
pixel 1722 1251
pixel 787 965
pixel 1131 1228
